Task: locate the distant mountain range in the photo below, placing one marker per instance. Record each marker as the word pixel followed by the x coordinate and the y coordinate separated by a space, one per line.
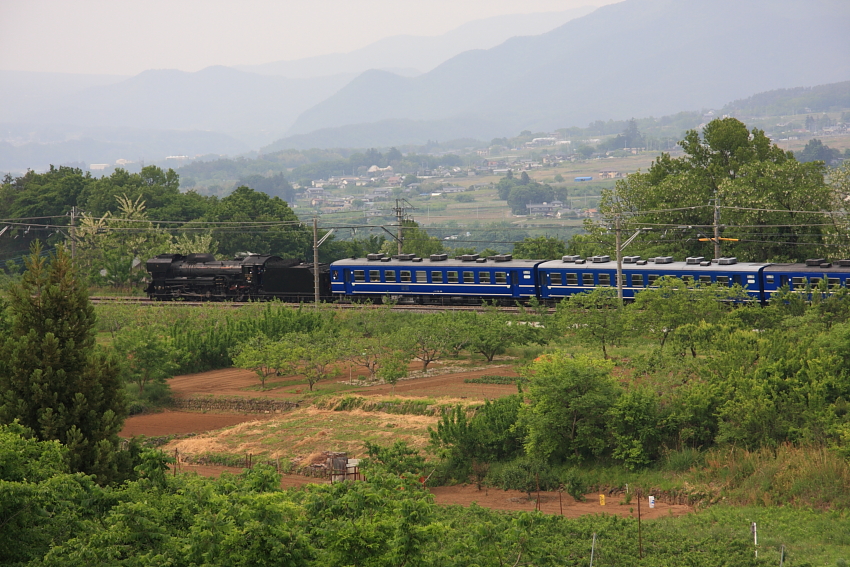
pixel 411 55
pixel 634 58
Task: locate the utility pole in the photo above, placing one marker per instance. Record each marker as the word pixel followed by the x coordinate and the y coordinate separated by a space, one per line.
pixel 73 233
pixel 619 248
pixel 316 243
pixel 316 261
pixel 716 228
pixel 399 212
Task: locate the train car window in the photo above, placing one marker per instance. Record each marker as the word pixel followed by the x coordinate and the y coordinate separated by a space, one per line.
pixel 798 283
pixel 833 282
pixel 556 279
pixel 738 279
pixel 705 279
pixel 436 277
pixel 421 277
pixel 587 279
pixel 605 279
pixel 484 277
pixel 501 278
pixel 814 281
pixel 769 279
pixel 637 280
pixel 689 281
pixel 723 280
pixel 625 280
pixel 336 275
pixel 651 278
pixel 374 276
pixel 389 276
pixel 405 276
pixel 469 277
pixel 359 275
pixel 452 277
pixel 572 279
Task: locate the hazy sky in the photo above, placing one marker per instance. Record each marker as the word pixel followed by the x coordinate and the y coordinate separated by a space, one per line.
pixel 126 37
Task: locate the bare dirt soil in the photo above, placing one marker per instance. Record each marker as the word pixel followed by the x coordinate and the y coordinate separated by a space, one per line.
pixel 181 422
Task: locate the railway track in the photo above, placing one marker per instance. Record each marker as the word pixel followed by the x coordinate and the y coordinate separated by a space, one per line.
pixel 144 301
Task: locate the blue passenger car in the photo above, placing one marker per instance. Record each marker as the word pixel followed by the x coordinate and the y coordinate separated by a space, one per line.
pixel 573 274
pixel 799 277
pixel 437 279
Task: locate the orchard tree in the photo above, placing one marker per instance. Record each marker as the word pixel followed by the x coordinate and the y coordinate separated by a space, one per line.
pixel 596 318
pixel 53 378
pixel 149 355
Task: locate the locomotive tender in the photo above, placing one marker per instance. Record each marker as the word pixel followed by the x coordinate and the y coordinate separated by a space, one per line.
pixel 467 279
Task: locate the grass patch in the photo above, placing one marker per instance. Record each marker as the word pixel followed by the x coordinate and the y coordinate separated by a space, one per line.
pixel 302 432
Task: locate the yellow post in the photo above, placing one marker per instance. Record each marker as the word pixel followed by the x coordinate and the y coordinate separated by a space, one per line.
pixel 602 500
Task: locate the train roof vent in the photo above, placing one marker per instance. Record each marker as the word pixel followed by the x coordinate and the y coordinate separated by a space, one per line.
pixel 694 259
pixel 438 257
pixel 468 257
pixel 405 257
pixel 600 259
pixel 199 258
pixel 572 258
pixel 630 259
pixel 815 262
pixel 844 263
pixel 372 257
pixel 417 259
pixel 385 258
pixel 641 262
pixel 580 261
pixel 480 260
pixel 664 259
pixel 826 265
pixel 705 263
pixel 503 257
pixel 727 261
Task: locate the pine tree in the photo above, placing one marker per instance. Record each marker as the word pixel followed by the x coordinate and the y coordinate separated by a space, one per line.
pixel 53 379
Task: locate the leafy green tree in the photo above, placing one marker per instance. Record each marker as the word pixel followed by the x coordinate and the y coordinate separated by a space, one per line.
pixel 415 241
pixel 53 379
pixel 429 338
pixel 773 204
pixel 540 248
pixel 149 355
pixel 266 357
pixel 672 303
pixel 596 318
pixel 492 332
pixel 569 399
pixel 636 427
pixel 275 229
pixel 816 150
pixel 314 354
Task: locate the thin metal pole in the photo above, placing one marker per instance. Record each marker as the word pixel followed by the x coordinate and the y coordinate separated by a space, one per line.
pixel 592 549
pixel 640 534
pixel 716 227
pixel 316 261
pixel 619 257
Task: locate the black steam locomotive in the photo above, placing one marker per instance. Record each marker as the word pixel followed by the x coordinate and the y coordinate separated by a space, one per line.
pixel 250 278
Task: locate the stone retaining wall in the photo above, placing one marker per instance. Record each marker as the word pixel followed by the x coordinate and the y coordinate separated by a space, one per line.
pixel 244 405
